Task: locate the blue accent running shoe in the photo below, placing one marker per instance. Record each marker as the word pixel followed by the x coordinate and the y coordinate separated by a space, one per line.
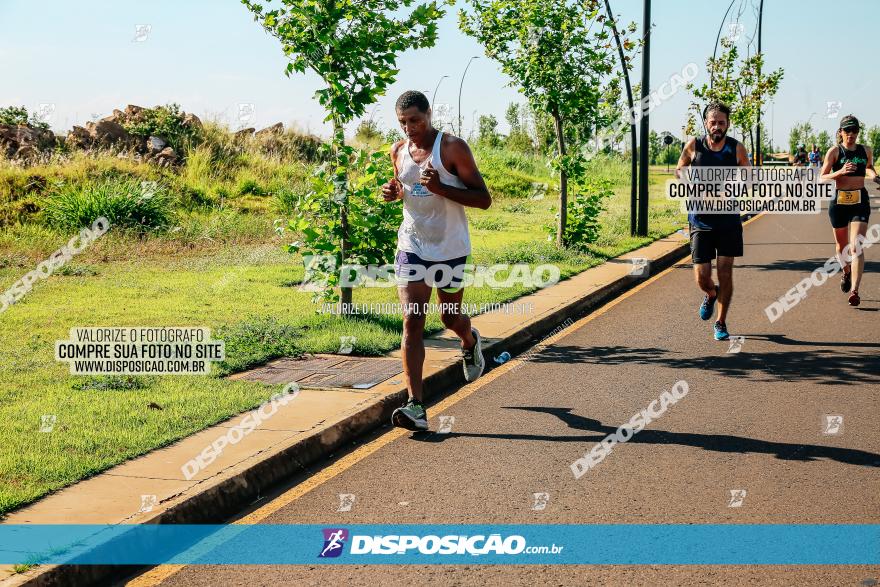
pixel 721 331
pixel 707 308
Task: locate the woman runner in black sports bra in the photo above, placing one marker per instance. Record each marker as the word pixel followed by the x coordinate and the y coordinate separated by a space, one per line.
pixel 848 164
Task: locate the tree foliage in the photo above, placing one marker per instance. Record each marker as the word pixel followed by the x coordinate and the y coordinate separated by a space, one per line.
pixel 559 55
pixel 15 115
pixel 488 131
pixel 801 133
pixel 872 138
pixel 352 45
pixel 737 84
pixel 166 122
pixel 372 229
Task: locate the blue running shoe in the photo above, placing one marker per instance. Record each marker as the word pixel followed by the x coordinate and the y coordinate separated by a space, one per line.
pixel 707 308
pixel 721 331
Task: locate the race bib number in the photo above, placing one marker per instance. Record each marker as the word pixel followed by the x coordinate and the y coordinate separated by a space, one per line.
pixel 420 191
pixel 849 196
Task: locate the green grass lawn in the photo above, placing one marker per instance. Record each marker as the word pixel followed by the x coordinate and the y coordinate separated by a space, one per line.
pixel 228 271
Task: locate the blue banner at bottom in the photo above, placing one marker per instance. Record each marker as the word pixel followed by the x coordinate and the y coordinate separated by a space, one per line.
pixel 617 544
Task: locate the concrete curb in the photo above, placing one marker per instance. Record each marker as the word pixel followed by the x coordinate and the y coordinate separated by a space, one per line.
pixel 217 500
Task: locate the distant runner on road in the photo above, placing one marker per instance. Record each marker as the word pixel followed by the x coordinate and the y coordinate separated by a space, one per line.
pixel 715 236
pixel 801 157
pixel 436 177
pixel 815 156
pixel 848 163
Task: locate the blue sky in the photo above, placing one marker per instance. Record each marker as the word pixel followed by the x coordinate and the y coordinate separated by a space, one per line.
pixel 210 56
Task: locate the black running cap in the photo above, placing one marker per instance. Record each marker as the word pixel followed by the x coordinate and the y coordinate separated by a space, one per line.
pixel 848 122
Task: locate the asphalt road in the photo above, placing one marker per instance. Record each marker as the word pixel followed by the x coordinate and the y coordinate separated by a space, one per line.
pixel 752 420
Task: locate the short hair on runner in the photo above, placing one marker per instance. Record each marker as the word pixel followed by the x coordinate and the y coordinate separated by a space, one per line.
pixel 716 107
pixel 412 98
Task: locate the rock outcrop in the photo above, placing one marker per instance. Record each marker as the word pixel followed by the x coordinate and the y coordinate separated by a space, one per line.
pixel 23 141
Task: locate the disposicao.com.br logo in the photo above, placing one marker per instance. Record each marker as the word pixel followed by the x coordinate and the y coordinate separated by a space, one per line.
pixel 334 541
pixel 453 544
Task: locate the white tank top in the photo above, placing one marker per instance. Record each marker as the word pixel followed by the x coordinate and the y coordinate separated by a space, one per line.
pixel 434 228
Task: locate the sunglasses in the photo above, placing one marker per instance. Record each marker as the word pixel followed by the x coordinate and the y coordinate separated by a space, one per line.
pixel 849 130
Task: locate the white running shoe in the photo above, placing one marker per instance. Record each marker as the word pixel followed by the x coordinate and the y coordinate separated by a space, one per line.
pixel 472 359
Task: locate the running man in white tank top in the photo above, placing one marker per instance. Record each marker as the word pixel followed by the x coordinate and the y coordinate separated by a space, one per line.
pixel 436 177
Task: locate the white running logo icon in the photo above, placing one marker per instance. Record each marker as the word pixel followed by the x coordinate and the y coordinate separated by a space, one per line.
pixel 334 544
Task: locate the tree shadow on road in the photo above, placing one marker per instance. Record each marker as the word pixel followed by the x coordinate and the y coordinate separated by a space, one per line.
pixel 825 368
pixel 714 442
pixel 805 266
pixel 784 340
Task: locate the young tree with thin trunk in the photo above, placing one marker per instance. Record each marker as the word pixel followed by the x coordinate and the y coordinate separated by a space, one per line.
pixel 352 45
pixel 737 84
pixel 558 54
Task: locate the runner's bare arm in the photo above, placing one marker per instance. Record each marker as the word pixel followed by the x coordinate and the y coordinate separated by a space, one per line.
pixel 392 190
pixel 830 160
pixel 460 162
pixel 742 156
pixel 687 155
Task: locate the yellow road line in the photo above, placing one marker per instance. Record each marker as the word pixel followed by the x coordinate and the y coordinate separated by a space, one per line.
pixel 155 575
pixel 158 574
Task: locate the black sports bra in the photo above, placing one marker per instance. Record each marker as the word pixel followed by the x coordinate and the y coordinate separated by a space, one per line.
pixel 859 156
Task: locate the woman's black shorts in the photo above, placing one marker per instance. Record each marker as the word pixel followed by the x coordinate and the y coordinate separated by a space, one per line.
pixel 842 214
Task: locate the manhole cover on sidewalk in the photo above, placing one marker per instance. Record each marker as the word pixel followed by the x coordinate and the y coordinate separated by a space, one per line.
pixel 326 371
